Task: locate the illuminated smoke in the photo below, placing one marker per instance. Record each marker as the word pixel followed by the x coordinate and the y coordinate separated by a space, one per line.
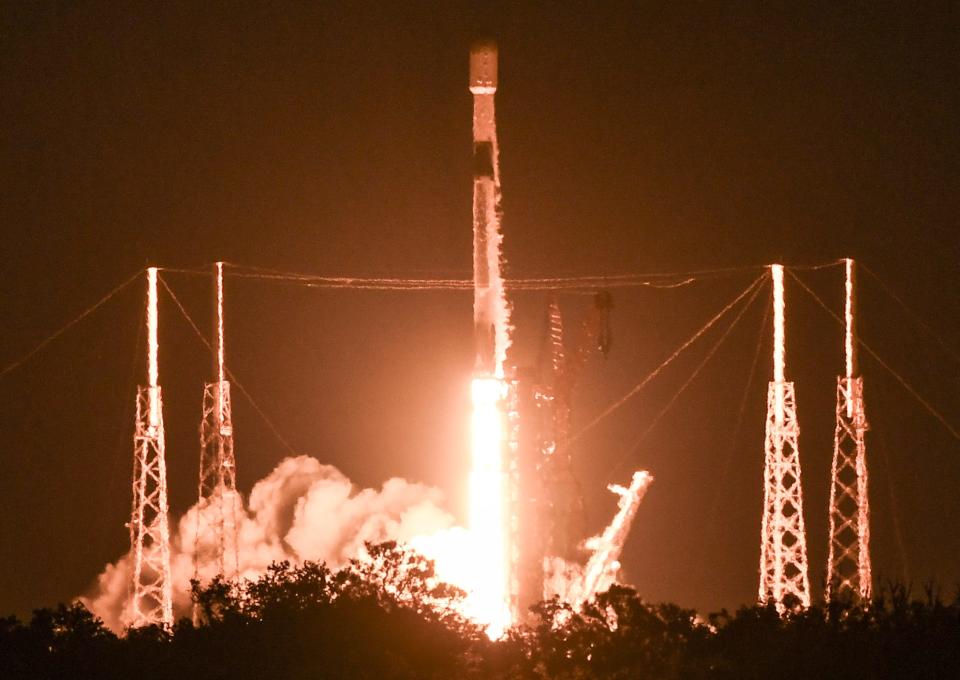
pixel 303 510
pixel 578 584
pixel 603 565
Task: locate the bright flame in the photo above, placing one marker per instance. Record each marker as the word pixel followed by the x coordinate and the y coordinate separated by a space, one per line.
pixel 776 271
pixel 476 559
pixel 488 587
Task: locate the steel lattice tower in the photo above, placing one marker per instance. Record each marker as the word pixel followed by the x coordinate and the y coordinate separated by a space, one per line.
pixel 848 563
pixel 783 543
pixel 152 602
pixel 217 525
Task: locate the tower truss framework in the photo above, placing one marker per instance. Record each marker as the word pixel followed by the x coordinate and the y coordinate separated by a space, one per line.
pixel 783 548
pixel 217 516
pixel 217 513
pixel 848 562
pixel 152 597
pixel 783 545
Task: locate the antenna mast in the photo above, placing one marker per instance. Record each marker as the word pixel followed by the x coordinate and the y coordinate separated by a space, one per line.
pixel 783 543
pixel 217 525
pixel 848 563
pixel 152 602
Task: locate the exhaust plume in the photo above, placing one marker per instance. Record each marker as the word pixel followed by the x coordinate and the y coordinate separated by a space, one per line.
pixel 302 510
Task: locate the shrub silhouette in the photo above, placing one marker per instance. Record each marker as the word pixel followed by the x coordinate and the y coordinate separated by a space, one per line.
pixel 389 617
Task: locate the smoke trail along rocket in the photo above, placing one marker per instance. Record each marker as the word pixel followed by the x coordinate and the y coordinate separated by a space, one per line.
pixel 489 511
pixel 490 311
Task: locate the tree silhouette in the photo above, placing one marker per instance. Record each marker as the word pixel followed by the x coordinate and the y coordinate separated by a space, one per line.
pixel 388 616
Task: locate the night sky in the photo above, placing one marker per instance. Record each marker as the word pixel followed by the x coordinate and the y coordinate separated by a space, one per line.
pixel 336 140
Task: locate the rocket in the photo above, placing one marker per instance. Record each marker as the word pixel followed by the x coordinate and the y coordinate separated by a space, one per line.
pixel 490 310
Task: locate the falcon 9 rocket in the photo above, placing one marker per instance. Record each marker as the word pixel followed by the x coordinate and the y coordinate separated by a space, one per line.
pixel 489 494
pixel 490 310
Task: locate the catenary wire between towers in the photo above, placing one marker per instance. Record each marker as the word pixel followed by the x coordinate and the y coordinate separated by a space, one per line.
pixel 666 362
pixel 582 284
pixel 693 376
pixel 233 378
pixel 572 284
pixel 903 382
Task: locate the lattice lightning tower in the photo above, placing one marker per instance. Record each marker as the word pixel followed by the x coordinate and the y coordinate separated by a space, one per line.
pixel 848 563
pixel 783 544
pixel 149 529
pixel 217 525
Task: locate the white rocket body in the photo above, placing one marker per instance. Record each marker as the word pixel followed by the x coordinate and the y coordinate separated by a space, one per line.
pixel 490 310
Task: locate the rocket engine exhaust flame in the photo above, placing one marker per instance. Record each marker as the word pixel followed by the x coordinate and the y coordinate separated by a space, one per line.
pixel 307 511
pixel 489 507
pixel 490 511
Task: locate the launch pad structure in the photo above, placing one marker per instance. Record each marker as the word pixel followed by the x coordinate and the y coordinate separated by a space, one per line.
pixel 783 543
pixel 848 563
pixel 217 513
pixel 152 595
pixel 549 527
pixel 525 501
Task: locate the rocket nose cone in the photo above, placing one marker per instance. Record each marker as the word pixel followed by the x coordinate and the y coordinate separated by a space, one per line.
pixel 483 67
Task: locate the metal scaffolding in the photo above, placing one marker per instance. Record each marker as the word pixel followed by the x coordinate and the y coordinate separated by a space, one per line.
pixel 217 513
pixel 848 562
pixel 783 545
pixel 152 600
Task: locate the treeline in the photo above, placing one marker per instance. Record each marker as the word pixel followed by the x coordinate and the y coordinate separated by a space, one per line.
pixel 388 618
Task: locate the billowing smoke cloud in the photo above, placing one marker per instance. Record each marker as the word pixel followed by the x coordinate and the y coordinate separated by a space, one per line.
pixel 303 510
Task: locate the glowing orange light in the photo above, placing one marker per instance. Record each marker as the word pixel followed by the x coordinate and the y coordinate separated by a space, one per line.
pixel 476 559
pixel 490 596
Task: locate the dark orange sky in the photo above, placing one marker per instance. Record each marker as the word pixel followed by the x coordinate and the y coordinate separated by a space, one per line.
pixel 323 138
